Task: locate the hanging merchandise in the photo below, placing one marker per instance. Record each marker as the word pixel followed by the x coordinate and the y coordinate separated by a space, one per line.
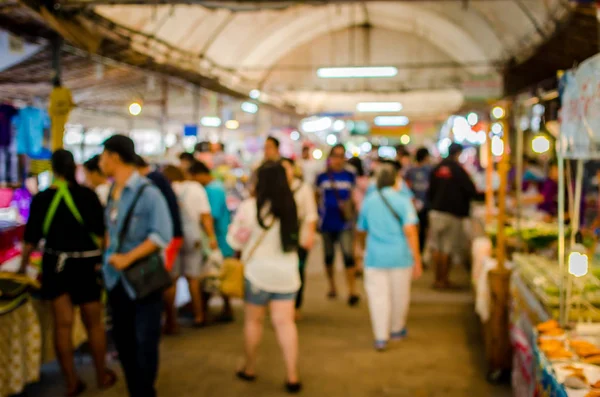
pixel 8 171
pixel 30 124
pixel 61 104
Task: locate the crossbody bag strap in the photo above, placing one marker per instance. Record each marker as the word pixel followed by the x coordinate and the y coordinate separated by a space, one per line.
pixel 259 241
pixel 127 220
pixel 387 204
pixel 336 193
pixel 52 211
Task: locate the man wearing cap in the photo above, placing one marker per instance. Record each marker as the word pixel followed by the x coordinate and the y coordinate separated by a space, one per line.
pixel 451 191
pixel 136 323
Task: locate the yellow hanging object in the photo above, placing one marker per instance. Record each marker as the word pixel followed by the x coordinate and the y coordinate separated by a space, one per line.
pixel 61 104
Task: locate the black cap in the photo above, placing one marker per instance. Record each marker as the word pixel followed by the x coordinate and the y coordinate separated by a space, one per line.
pixel 123 146
pixel 454 149
pixel 140 162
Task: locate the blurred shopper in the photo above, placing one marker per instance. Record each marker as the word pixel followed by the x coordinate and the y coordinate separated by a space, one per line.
pixel 217 198
pixel 96 179
pixel 195 216
pixel 136 322
pixel 402 186
pixel 451 191
pixel 309 166
pixel 70 218
pixel 266 229
pixel 174 246
pixel 308 217
pixel 272 149
pixel 338 213
pixel 388 222
pixel 186 160
pixel 403 157
pixel 417 179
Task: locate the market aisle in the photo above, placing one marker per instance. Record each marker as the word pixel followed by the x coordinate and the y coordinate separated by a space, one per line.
pixel 442 356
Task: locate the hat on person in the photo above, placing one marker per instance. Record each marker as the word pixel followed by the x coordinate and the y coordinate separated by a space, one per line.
pixel 123 146
pixel 140 162
pixel 454 149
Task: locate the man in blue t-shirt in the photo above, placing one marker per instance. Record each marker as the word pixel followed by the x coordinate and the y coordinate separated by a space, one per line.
pixel 417 179
pixel 334 189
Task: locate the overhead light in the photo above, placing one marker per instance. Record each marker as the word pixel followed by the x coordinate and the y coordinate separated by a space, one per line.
pixel 472 118
pixel 135 109
pixel 366 147
pixel 249 107
pixel 295 135
pixel 357 72
pixel 391 121
pixel 375 107
pixel 254 94
pixel 210 121
pixel 232 124
pixel 405 139
pixel 497 128
pixel 331 139
pixel 317 154
pixel 339 125
pixel 315 124
pixel 540 144
pixel 498 112
pixel 481 137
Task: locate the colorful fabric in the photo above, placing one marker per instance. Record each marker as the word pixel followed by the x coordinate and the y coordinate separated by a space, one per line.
pixel 30 124
pixel 7 113
pixel 217 198
pixel 61 104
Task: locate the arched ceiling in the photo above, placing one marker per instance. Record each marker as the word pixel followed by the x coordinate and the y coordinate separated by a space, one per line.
pixel 247 49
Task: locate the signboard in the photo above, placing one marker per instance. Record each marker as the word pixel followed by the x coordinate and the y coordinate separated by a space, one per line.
pixel 190 130
pixel 580 112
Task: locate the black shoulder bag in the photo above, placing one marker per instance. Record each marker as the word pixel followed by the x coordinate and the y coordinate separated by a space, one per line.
pixel 387 204
pixel 148 275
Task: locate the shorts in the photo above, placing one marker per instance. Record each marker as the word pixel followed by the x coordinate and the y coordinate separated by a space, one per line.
pixel 446 234
pixel 79 279
pixel 188 263
pixel 346 240
pixel 172 251
pixel 258 297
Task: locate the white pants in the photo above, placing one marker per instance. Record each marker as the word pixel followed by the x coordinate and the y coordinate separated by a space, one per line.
pixel 388 291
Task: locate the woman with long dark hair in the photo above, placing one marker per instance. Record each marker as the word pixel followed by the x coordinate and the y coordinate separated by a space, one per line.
pixel 265 229
pixel 70 219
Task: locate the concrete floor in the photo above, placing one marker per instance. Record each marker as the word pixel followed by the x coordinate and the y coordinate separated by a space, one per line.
pixel 442 356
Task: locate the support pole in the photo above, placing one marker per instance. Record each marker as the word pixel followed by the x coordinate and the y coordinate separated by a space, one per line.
pixel 56 45
pixel 164 113
pixel 519 181
pixel 489 183
pixel 561 236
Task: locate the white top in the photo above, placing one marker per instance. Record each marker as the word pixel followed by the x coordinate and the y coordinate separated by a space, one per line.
pixel 103 191
pixel 193 198
pixel 306 203
pixel 269 268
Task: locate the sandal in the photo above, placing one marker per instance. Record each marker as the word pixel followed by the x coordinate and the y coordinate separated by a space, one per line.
pixel 242 375
pixel 110 378
pixel 293 388
pixel 79 389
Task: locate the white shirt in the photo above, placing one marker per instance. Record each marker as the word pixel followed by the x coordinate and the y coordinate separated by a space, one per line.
pixel 193 198
pixel 269 268
pixel 103 191
pixel 306 203
pixel 311 169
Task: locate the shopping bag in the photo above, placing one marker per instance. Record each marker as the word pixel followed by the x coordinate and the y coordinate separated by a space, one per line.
pixel 232 278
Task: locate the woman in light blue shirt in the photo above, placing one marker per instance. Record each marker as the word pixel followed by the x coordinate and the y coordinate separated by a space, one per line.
pixel 388 222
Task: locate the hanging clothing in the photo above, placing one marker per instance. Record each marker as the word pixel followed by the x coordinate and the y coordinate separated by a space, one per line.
pixel 7 113
pixel 61 104
pixel 30 124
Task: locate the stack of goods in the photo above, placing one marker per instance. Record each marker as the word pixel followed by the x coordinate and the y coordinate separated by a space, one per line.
pixel 574 360
pixel 542 277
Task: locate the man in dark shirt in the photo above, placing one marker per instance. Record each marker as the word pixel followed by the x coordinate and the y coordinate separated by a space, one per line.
pixel 451 191
pixel 417 179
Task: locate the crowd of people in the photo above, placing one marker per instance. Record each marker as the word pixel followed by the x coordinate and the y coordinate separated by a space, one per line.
pixel 381 213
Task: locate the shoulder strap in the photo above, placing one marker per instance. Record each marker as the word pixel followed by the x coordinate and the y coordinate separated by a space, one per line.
pixel 63 194
pixel 127 220
pixel 387 204
pixel 336 193
pixel 259 241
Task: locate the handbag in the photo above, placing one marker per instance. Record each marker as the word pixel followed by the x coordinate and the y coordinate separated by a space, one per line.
pixel 232 272
pixel 148 275
pixel 387 204
pixel 346 207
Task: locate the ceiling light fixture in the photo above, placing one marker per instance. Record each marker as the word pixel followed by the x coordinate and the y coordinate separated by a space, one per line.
pixel 210 121
pixel 135 109
pixel 357 72
pixel 391 121
pixel 249 107
pixel 232 124
pixel 255 94
pixel 376 107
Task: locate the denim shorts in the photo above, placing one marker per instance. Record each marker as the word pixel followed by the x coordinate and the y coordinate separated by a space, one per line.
pixel 258 297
